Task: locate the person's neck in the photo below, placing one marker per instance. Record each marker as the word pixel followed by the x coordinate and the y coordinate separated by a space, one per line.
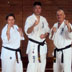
pixel 12 26
pixel 38 16
pixel 60 22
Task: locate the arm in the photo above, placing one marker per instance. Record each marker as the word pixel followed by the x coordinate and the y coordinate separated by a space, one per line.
pixel 44 35
pixel 32 27
pixel 21 33
pixel 46 29
pixel 5 35
pixel 69 29
pixel 29 25
pixel 68 26
pixel 8 32
pixel 53 30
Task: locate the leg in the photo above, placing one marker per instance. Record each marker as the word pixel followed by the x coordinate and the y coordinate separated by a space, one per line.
pixel 42 65
pixel 8 65
pixel 71 59
pixel 67 60
pixel 57 66
pixel 19 66
pixel 32 66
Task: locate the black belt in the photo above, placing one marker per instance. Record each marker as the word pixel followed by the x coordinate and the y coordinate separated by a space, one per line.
pixel 16 50
pixel 56 49
pixel 39 44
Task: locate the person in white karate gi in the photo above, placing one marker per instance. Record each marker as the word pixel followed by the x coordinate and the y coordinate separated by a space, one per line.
pixel 61 34
pixel 10 54
pixel 37 29
pixel 71 61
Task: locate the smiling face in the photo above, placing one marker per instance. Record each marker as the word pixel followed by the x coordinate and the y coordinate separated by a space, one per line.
pixel 60 15
pixel 37 9
pixel 11 20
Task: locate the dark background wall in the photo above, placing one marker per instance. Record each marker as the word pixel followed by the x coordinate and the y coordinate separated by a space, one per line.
pixel 23 8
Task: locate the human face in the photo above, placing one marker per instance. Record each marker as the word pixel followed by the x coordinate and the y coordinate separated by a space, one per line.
pixel 11 20
pixel 60 16
pixel 37 9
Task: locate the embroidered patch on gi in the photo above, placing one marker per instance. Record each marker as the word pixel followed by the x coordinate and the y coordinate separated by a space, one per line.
pixel 42 25
pixel 10 57
pixel 62 31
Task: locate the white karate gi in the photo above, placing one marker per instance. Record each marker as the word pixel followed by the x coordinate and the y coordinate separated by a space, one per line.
pixel 8 57
pixel 61 39
pixel 41 28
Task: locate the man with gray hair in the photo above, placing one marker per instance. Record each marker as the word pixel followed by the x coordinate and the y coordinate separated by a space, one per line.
pixel 61 34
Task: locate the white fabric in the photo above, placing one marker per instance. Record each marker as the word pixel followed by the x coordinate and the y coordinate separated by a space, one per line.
pixel 13 43
pixel 10 65
pixel 8 57
pixel 61 38
pixel 71 59
pixel 36 67
pixel 41 28
pixel 63 67
pixel 15 37
pixel 32 48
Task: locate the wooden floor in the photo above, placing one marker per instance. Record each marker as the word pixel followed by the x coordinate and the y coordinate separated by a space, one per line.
pixel 49 66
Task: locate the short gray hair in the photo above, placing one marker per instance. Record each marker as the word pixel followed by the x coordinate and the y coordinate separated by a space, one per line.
pixel 61 11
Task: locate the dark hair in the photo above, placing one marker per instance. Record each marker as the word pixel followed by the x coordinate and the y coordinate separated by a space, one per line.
pixel 37 3
pixel 11 14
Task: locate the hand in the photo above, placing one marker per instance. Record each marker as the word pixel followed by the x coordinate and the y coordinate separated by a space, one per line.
pixel 19 29
pixel 42 36
pixel 68 25
pixel 54 29
pixel 66 22
pixel 36 23
pixel 8 30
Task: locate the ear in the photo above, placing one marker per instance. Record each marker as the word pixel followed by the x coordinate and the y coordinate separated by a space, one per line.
pixel 64 15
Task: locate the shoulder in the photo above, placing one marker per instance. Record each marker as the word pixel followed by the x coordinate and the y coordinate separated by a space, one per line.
pixel 29 18
pixel 43 18
pixel 5 28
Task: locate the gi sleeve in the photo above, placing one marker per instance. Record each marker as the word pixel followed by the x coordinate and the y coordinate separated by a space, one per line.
pixel 21 37
pixel 69 33
pixel 4 36
pixel 28 24
pixel 50 34
pixel 47 29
